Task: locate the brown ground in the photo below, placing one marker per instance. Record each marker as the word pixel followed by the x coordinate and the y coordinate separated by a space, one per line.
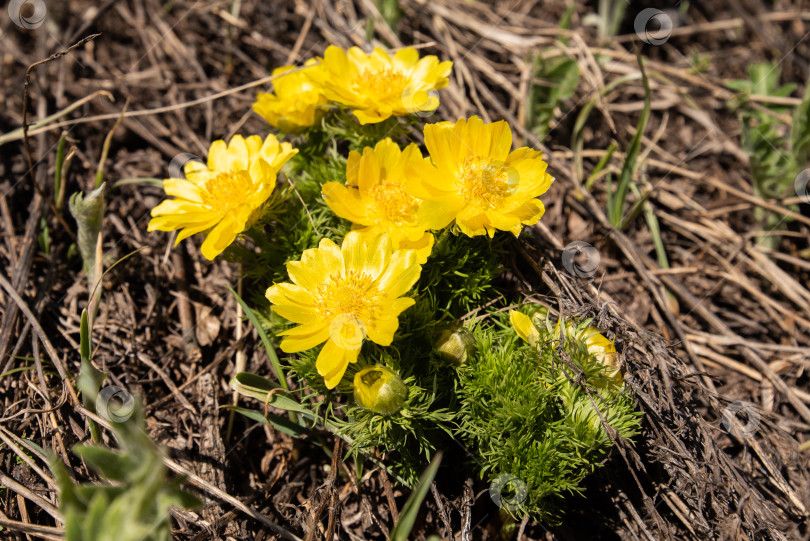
pixel 734 321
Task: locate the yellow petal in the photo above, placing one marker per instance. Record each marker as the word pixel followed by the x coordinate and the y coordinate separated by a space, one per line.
pixel 218 156
pixel 332 363
pixel 315 265
pixel 376 256
pixel 423 246
pixel 382 330
pixel 345 202
pixel 504 222
pixel 295 312
pixel 438 213
pixel 400 305
pixel 491 140
pixel 221 236
pixel 370 116
pixel 238 157
pixel 193 230
pixel 400 275
pixel 524 327
pixel 530 212
pixel 474 222
pixel 286 293
pixel 183 189
pixel 296 342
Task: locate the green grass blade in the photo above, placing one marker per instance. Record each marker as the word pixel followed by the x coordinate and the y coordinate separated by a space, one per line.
pixel 57 175
pixel 90 378
pixel 277 422
pixel 268 346
pixel 603 161
pixel 629 167
pixel 260 388
pixel 407 517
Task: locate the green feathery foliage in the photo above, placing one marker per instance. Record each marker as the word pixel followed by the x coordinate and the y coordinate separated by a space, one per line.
pixel 526 414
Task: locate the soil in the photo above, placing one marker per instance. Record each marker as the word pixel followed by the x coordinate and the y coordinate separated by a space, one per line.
pixel 725 322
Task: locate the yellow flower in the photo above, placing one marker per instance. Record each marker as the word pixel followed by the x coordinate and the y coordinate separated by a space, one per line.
pixel 223 197
pixel 374 200
pixel 477 181
pixel 380 389
pixel 377 86
pixel 524 327
pixel 296 104
pixel 343 295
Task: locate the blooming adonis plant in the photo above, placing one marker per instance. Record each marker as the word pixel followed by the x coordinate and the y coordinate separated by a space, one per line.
pixel 376 85
pixel 375 256
pixel 374 198
pixel 224 197
pixel 342 296
pixel 296 104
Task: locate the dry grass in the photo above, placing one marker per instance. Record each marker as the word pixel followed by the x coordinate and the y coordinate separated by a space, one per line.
pixel 727 321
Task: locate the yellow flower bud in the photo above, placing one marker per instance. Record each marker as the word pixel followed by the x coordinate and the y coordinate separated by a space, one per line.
pixel 601 348
pixel 455 345
pixel 379 389
pixel 524 327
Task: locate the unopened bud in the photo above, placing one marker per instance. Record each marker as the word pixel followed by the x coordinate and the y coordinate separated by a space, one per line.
pixel 605 352
pixel 602 349
pixel 379 389
pixel 455 345
pixel 524 327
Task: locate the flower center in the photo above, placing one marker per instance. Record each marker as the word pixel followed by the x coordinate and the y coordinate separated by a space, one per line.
pixel 227 191
pixel 380 84
pixel 349 292
pixel 348 301
pixel 484 182
pixel 392 202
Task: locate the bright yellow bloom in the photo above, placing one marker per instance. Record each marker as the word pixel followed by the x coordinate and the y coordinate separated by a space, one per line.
pixel 223 197
pixel 296 102
pixel 343 295
pixel 374 200
pixel 377 86
pixel 477 181
pixel 524 327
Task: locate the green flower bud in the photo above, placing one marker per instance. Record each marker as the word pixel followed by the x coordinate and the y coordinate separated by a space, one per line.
pixel 455 345
pixel 379 389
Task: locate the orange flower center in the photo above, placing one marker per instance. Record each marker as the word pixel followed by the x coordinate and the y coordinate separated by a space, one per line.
pixel 379 84
pixel 393 203
pixel 227 191
pixel 485 182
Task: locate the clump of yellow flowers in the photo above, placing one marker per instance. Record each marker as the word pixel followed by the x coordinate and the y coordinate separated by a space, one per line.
pixel 370 247
pixel 395 198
